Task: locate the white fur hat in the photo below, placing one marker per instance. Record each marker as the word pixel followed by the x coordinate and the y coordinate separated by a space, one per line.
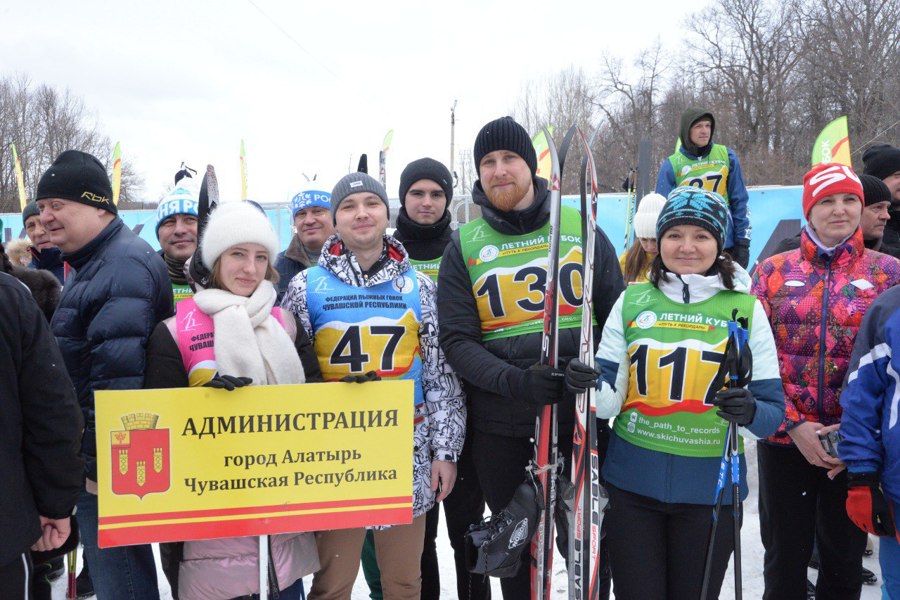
pixel 647 214
pixel 233 223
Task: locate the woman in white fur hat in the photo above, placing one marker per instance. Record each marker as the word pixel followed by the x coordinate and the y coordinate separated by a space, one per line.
pixel 254 343
pixel 635 262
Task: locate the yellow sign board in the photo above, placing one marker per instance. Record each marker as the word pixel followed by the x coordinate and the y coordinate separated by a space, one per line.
pixel 201 463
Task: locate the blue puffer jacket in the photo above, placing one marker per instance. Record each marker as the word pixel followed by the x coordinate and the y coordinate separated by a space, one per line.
pixel 870 422
pixel 108 309
pixel 49 260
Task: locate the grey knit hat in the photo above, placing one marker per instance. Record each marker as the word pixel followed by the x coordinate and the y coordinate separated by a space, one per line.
pixel 31 210
pixel 353 183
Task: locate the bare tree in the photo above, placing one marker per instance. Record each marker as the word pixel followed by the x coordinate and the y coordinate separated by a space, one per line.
pixel 561 101
pixel 43 122
pixel 629 105
pixel 851 55
pixel 748 54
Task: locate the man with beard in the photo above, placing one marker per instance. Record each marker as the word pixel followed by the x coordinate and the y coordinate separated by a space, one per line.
pixel 311 212
pixel 490 306
pixel 176 228
pixel 714 167
pixel 423 227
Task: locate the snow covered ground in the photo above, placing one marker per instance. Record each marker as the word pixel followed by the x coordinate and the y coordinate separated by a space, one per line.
pixel 751 547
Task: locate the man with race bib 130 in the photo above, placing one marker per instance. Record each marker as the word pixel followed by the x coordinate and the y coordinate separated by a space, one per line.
pixel 491 291
pixel 699 162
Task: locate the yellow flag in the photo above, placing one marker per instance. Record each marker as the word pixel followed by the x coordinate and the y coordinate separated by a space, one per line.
pixel 20 177
pixel 833 144
pixel 117 173
pixel 542 149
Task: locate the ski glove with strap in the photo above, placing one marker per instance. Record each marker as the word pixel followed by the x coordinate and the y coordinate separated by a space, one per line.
pixel 736 405
pixel 867 506
pixel 581 376
pixel 227 382
pixel 543 385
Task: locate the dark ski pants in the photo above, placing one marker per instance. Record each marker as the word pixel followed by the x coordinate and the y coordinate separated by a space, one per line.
pixel 657 550
pixel 15 579
pixel 462 508
pixel 500 462
pixel 799 504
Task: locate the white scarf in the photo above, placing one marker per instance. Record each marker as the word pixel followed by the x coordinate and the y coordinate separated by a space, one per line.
pixel 249 342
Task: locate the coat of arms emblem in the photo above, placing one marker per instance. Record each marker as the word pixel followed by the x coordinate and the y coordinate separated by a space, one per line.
pixel 140 456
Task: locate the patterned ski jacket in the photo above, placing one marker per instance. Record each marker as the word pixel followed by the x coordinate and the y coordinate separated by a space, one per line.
pixel 441 422
pixel 871 413
pixel 815 304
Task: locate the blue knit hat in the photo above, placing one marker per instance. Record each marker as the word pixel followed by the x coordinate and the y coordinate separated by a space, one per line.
pixel 309 198
pixel 689 205
pixel 180 201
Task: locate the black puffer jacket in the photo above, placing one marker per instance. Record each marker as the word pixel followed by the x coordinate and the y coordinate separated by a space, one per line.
pixel 40 424
pixel 108 310
pixel 494 370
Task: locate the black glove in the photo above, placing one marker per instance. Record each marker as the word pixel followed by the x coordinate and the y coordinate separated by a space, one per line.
pixel 544 385
pixel 580 376
pixel 736 405
pixel 370 376
pixel 741 253
pixel 867 506
pixel 227 382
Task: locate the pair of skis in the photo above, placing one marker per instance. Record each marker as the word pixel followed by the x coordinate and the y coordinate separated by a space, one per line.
pixel 585 514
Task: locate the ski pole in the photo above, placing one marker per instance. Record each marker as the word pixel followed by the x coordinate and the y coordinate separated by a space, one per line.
pixel 629 208
pixel 740 337
pixel 736 508
pixel 737 336
pixel 720 489
pixel 71 559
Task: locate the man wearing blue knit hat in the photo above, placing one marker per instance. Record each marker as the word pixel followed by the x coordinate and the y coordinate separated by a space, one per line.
pixel 176 228
pixel 311 213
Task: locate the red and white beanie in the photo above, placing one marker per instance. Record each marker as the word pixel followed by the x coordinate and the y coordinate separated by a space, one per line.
pixel 827 179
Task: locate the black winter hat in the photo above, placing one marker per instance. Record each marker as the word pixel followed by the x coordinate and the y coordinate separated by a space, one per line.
pixel 79 177
pixel 504 134
pixel 426 168
pixel 881 160
pixel 31 210
pixel 874 190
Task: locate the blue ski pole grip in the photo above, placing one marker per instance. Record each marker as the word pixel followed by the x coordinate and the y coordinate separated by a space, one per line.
pixel 735 469
pixel 723 473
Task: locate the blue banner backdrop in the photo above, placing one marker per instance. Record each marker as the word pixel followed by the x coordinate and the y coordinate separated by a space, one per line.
pixel 775 213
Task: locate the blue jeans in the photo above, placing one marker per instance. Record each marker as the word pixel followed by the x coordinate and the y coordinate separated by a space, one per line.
pixel 124 573
pixel 889 559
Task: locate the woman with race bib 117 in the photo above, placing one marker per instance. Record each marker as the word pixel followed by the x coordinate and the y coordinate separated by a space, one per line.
pixel 659 360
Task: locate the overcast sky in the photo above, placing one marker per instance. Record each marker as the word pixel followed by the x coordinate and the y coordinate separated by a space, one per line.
pixel 307 85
